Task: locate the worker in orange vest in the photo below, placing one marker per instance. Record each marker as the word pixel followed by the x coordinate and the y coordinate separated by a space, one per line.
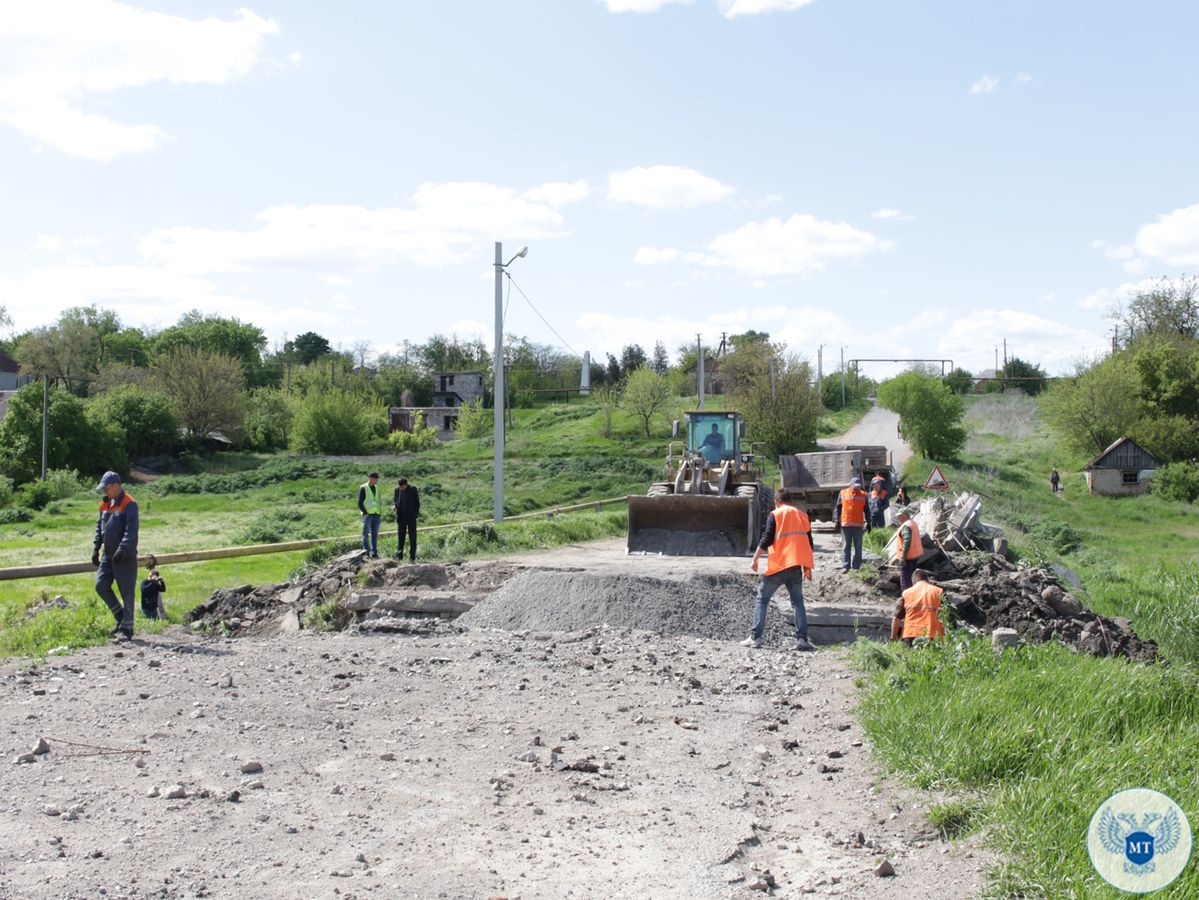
pixel 788 540
pixel 849 517
pixel 917 615
pixel 878 503
pixel 908 547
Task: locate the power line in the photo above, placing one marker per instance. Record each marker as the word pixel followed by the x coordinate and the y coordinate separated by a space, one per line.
pixel 565 342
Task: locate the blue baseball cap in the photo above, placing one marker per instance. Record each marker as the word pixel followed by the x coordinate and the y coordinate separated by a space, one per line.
pixel 108 478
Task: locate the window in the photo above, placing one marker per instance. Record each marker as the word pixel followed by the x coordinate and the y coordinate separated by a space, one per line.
pixel 713 435
pixel 447 423
pixel 1129 477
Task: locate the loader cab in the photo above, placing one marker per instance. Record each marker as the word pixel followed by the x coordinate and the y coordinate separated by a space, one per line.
pixel 715 435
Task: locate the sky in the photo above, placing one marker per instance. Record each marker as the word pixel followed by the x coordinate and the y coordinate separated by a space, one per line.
pixel 898 179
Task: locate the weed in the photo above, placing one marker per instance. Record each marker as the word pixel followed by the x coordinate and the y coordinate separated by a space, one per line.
pixel 954 818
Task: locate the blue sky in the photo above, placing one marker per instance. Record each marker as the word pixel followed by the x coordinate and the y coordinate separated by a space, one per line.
pixel 900 178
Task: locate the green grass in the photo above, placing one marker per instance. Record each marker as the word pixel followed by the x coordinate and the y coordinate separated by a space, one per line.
pixel 1041 737
pixel 839 421
pixel 1036 739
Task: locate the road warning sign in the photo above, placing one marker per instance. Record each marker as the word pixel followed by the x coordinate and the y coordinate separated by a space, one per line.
pixel 936 481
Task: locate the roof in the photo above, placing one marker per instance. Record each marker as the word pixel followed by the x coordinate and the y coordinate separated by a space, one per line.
pixel 1124 453
pixel 8 364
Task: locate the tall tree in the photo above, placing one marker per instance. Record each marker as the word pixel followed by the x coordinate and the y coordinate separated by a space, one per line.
pixel 632 358
pixel 646 394
pixel 614 373
pixel 206 389
pixel 1098 405
pixel 308 347
pixel 785 417
pixel 929 413
pixel 661 363
pixel 1170 308
pixel 1027 376
pixel 218 335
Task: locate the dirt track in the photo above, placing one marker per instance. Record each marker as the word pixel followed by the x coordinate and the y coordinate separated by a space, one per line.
pixel 878 427
pixel 697 789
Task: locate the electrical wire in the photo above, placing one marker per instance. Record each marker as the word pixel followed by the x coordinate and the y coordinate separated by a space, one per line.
pixel 565 343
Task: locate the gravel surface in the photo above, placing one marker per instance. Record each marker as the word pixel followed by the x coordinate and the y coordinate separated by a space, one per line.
pixel 687 543
pixel 599 763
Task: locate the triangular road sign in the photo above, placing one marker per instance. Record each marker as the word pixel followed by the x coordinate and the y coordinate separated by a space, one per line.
pixel 936 481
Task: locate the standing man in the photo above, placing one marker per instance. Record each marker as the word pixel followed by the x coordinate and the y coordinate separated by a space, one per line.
pixel 878 482
pixel 850 516
pixel 908 547
pixel 114 553
pixel 918 611
pixel 878 503
pixel 788 538
pixel 368 505
pixel 1054 479
pixel 407 507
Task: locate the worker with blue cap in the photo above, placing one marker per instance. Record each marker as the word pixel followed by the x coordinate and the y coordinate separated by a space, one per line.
pixel 115 552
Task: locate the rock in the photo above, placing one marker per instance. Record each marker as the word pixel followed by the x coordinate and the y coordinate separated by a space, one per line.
pixel 233 796
pixel 42 748
pixel 24 758
pixel 885 869
pixel 761 753
pixel 1004 638
pixel 387 757
pixel 227 680
pixel 154 663
pixel 251 768
pixel 835 754
pixel 289 622
pixel 176 792
pixel 529 757
pixel 1066 605
pixel 51 810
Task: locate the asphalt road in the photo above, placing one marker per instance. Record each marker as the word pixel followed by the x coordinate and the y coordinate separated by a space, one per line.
pixel 879 426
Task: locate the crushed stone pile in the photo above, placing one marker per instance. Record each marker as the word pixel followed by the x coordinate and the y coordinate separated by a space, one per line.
pixel 986 592
pixel 709 606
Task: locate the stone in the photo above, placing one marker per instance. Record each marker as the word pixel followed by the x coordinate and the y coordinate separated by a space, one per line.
pixel 176 792
pixel 289 622
pixel 885 869
pixel 1004 638
pixel 251 768
pixel 387 757
pixel 42 748
pixel 51 810
pixel 761 753
pixel 24 758
pixel 154 663
pixel 233 796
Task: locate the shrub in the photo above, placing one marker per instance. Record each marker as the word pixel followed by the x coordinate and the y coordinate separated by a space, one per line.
pixel 268 419
pixel 421 437
pixel 79 439
pixel 1177 481
pixel 6 491
pixel 929 413
pixel 147 417
pixel 1059 536
pixel 12 515
pixel 336 421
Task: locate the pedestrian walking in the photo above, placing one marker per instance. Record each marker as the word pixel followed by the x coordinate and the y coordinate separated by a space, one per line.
pixel 114 553
pixel 368 505
pixel 1054 480
pixel 153 587
pixel 849 514
pixel 787 540
pixel 917 615
pixel 908 547
pixel 407 509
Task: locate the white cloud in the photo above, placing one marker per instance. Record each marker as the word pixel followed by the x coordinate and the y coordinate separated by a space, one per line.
pixel 48 242
pixel 1108 298
pixel 57 52
pixel 334 280
pixel 648 256
pixel 665 187
pixel 1047 342
pixel 638 6
pixel 1125 254
pixel 799 245
pixel 1172 237
pixel 559 193
pixel 142 294
pixel 1023 78
pixel 731 9
pixel 888 212
pixel 445 224
pixel 984 85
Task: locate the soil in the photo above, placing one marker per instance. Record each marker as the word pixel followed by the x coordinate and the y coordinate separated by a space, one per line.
pixel 595 763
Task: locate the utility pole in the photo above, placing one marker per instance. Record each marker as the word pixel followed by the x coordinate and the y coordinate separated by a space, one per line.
pixel 820 372
pixel 772 383
pixel 700 371
pixel 498 442
pixel 843 378
pixel 45 422
pixel 1005 364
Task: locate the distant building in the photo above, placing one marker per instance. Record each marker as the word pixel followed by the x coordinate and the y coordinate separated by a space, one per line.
pixel 1123 468
pixel 10 373
pixel 984 378
pixel 451 391
pixel 713 382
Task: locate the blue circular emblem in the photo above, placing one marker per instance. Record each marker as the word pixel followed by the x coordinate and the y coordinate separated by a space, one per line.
pixel 1139 840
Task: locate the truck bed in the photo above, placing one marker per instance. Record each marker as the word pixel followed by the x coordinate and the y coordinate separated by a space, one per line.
pixel 828 470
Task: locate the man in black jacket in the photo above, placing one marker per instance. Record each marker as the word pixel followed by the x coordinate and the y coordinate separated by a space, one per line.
pixel 114 552
pixel 407 508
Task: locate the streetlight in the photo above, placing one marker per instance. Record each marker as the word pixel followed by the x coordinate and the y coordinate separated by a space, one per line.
pixel 498 404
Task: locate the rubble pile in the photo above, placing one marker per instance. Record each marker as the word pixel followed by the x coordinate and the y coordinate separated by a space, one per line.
pixel 957 524
pixel 373 595
pixel 987 592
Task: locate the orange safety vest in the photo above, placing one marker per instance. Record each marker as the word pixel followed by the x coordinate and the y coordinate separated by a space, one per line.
pixel 853 507
pixel 879 494
pixel 878 483
pixel 107 505
pixel 916 550
pixel 921 603
pixel 792 545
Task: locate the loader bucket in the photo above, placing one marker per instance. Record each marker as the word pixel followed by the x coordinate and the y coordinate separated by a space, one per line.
pixel 691 525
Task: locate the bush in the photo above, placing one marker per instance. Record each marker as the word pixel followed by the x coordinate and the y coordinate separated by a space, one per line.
pixel 1176 481
pixel 1059 536
pixel 12 515
pixel 336 421
pixel 268 419
pixel 421 437
pixel 929 413
pixel 6 491
pixel 59 485
pixel 147 417
pixel 79 439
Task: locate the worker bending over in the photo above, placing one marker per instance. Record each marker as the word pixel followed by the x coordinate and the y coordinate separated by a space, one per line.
pixel 917 615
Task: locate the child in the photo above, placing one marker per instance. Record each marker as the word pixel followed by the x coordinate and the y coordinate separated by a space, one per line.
pixel 152 590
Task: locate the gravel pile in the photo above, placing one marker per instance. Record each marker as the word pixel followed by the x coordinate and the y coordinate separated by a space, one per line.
pixel 988 592
pixel 715 607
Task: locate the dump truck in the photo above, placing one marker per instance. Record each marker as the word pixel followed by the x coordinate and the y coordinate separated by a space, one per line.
pixel 712 501
pixel 815 479
pixel 875 458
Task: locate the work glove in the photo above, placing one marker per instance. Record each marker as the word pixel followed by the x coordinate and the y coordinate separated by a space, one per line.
pixel 119 556
pixel 837 527
pixel 868 528
pixel 96 557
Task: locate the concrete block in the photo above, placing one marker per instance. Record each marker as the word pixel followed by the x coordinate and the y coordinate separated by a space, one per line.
pixel 1002 638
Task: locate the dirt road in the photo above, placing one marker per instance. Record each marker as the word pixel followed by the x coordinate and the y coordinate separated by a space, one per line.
pixel 485 764
pixel 878 426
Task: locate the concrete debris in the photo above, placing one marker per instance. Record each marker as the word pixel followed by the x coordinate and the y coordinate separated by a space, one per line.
pixel 59 602
pixel 955 525
pixel 1005 638
pixel 885 869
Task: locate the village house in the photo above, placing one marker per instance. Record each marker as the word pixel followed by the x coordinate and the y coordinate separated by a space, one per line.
pixel 1123 468
pixel 451 391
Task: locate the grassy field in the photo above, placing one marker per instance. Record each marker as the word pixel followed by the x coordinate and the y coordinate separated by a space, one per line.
pixel 1033 741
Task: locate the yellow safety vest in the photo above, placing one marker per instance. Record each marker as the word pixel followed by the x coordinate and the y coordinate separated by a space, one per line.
pixel 371 501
